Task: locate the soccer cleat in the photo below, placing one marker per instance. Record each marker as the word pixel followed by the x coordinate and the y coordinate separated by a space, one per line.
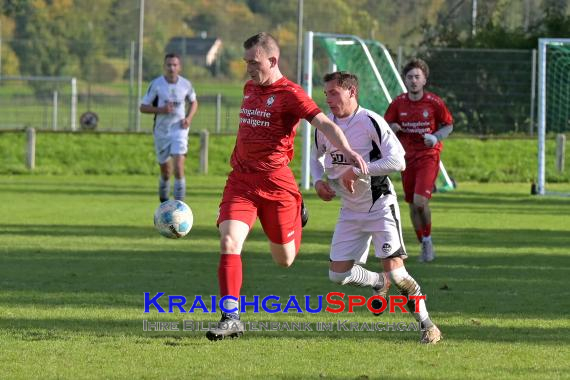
pixel 304 214
pixel 431 335
pixel 229 326
pixel 427 251
pixel 380 291
pixel 162 200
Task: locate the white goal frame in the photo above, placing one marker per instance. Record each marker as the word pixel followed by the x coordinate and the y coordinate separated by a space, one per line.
pixel 541 176
pixel 308 87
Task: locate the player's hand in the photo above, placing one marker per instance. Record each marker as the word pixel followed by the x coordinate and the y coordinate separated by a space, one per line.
pixel 324 191
pixel 430 140
pixel 186 123
pixel 348 179
pixel 395 127
pixel 358 161
pixel 168 108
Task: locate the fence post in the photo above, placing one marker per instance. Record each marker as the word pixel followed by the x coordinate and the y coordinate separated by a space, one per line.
pixel 204 137
pixel 30 148
pixel 560 151
pixel 73 104
pixel 54 112
pixel 532 93
pixel 218 113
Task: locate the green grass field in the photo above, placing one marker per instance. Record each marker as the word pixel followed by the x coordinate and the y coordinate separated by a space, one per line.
pixel 77 253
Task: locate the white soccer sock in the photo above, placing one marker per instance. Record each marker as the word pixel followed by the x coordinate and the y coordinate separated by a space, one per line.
pixel 357 276
pixel 163 188
pixel 230 304
pixel 179 189
pixel 409 287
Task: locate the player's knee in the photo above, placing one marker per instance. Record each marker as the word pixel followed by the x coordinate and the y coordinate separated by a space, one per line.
pixel 229 245
pixel 420 203
pixel 404 282
pixel 339 278
pixel 284 262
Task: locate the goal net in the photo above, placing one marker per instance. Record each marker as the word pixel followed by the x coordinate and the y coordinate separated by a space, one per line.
pixel 379 80
pixel 553 110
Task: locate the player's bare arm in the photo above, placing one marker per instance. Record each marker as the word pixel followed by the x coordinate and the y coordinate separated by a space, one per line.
pixel 191 112
pixel 147 108
pixel 334 134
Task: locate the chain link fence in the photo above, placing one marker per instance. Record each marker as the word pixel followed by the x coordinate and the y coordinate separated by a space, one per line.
pixel 489 92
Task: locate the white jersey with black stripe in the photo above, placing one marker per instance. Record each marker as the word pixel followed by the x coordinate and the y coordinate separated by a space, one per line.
pixel 369 135
pixel 161 92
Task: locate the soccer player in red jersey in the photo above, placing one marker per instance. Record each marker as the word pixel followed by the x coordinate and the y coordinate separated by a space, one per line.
pixel 261 185
pixel 421 121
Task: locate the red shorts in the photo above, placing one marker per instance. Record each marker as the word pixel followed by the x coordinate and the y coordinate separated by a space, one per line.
pixel 272 196
pixel 419 177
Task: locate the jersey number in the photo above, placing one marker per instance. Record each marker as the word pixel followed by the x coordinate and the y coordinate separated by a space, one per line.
pixel 338 158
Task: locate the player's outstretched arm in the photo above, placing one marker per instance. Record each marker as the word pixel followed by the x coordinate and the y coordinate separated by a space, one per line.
pixel 334 134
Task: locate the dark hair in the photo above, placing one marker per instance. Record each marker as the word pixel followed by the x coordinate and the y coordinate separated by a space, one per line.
pixel 265 40
pixel 344 79
pixel 172 55
pixel 417 63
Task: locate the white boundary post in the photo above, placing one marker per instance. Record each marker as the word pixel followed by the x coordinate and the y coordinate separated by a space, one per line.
pixel 54 111
pixel 73 121
pixel 204 142
pixel 30 148
pixel 308 86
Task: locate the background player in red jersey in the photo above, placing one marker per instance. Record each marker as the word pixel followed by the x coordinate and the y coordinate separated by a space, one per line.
pixel 261 184
pixel 421 121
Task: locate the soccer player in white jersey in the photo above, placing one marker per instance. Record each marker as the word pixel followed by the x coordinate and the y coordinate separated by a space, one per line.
pixel 370 211
pixel 167 98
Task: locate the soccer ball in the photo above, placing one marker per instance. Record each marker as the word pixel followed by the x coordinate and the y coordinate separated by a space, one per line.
pixel 173 219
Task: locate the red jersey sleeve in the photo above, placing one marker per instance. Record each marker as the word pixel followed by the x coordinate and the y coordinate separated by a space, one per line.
pixel 443 115
pixel 391 115
pixel 303 106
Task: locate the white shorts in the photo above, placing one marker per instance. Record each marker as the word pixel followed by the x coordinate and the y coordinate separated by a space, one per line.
pixel 355 230
pixel 170 142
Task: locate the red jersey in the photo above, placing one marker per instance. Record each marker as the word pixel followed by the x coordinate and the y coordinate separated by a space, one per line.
pixel 417 118
pixel 268 121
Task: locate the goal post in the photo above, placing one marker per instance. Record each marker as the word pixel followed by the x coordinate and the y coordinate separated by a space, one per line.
pixel 379 80
pixel 553 98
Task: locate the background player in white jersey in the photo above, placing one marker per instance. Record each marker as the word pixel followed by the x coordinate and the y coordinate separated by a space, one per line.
pixel 370 209
pixel 167 98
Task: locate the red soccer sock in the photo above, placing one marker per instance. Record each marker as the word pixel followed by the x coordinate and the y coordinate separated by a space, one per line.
pixel 419 235
pixel 230 275
pixel 427 230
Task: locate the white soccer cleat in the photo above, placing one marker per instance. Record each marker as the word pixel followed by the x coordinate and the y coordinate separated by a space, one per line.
pixel 381 291
pixel 431 335
pixel 427 251
pixel 229 326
